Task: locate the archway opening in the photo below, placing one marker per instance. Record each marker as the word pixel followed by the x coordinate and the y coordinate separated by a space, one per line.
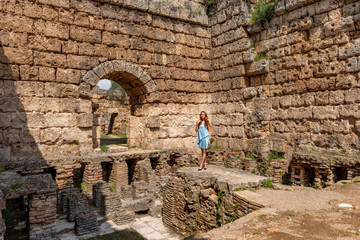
pixel 113 110
pixel 140 90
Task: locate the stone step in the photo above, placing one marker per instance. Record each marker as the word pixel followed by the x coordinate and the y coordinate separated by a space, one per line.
pixel 111 149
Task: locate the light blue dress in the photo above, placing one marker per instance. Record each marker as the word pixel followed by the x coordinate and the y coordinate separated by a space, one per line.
pixel 203 137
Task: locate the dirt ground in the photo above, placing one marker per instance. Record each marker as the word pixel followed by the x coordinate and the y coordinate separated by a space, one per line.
pixel 298 213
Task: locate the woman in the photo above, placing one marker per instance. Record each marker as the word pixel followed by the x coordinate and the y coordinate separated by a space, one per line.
pixel 203 137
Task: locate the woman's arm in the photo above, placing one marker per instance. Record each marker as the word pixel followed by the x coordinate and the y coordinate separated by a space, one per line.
pixel 209 132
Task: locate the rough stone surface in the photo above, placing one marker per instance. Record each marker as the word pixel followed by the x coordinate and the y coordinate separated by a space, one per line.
pixel 207 199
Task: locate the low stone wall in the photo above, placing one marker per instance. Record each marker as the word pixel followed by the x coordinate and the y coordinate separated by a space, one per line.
pixel 198 201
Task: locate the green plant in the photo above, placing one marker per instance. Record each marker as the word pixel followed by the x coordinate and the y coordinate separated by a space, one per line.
pixel 260 56
pixel 314 186
pixel 199 10
pixel 346 51
pixel 217 146
pixel 76 142
pixel 263 11
pixel 268 184
pixel 356 181
pixel 2 169
pixel 252 45
pixel 286 12
pixel 84 188
pixel 237 189
pixel 232 218
pixel 344 182
pixel 112 187
pixel 208 4
pixel 275 155
pixel 15 186
pixel 253 171
pixel 251 154
pixel 104 136
pixel 104 148
pixel 6 214
pixel 156 195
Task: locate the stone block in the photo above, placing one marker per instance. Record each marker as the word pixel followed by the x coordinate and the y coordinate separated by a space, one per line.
pixel 138 205
pixel 51 29
pixel 46 74
pixel 68 76
pixel 259 67
pixel 85 120
pixel 85 34
pixel 86 223
pixel 124 216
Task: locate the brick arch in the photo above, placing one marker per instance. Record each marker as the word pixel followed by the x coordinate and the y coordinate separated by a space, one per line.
pixel 135 81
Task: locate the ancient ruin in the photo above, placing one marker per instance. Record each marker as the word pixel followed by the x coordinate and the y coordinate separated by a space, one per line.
pixel 282 94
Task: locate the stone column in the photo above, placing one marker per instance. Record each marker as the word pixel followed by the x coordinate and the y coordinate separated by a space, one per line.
pixel 64 177
pixel 120 174
pixel 42 215
pixel 92 175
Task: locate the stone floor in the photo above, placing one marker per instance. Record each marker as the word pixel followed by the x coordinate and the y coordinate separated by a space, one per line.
pixel 149 227
pixel 233 177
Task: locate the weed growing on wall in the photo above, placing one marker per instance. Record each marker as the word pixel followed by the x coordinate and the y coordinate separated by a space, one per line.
pixel 112 187
pixel 104 148
pixel 268 184
pixel 263 11
pixel 208 4
pixel 260 56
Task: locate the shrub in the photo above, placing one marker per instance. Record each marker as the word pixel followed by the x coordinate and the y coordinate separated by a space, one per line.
pixel 275 155
pixel 112 187
pixel 104 148
pixel 268 184
pixel 208 4
pixel 263 11
pixel 15 186
pixel 251 154
pixel 260 56
pixel 84 189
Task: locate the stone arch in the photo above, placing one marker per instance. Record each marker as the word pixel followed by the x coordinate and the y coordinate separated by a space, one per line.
pixel 135 81
pixel 138 85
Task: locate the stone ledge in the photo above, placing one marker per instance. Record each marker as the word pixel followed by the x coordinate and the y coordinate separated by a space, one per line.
pixel 326 158
pixel 165 8
pixel 233 178
pixel 14 185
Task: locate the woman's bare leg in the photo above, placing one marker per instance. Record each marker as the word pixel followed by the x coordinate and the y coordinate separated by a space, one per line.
pixel 202 158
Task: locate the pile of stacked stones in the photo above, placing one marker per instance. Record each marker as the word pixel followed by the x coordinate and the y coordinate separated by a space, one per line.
pixel 76 206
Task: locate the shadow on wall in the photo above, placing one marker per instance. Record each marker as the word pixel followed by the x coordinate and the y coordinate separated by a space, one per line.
pixel 19 124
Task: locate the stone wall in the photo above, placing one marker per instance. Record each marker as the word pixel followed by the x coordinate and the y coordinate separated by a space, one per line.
pixel 49 49
pixel 194 202
pixel 304 92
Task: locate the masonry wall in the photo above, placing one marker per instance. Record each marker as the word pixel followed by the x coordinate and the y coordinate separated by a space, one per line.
pixel 306 91
pixel 48 46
